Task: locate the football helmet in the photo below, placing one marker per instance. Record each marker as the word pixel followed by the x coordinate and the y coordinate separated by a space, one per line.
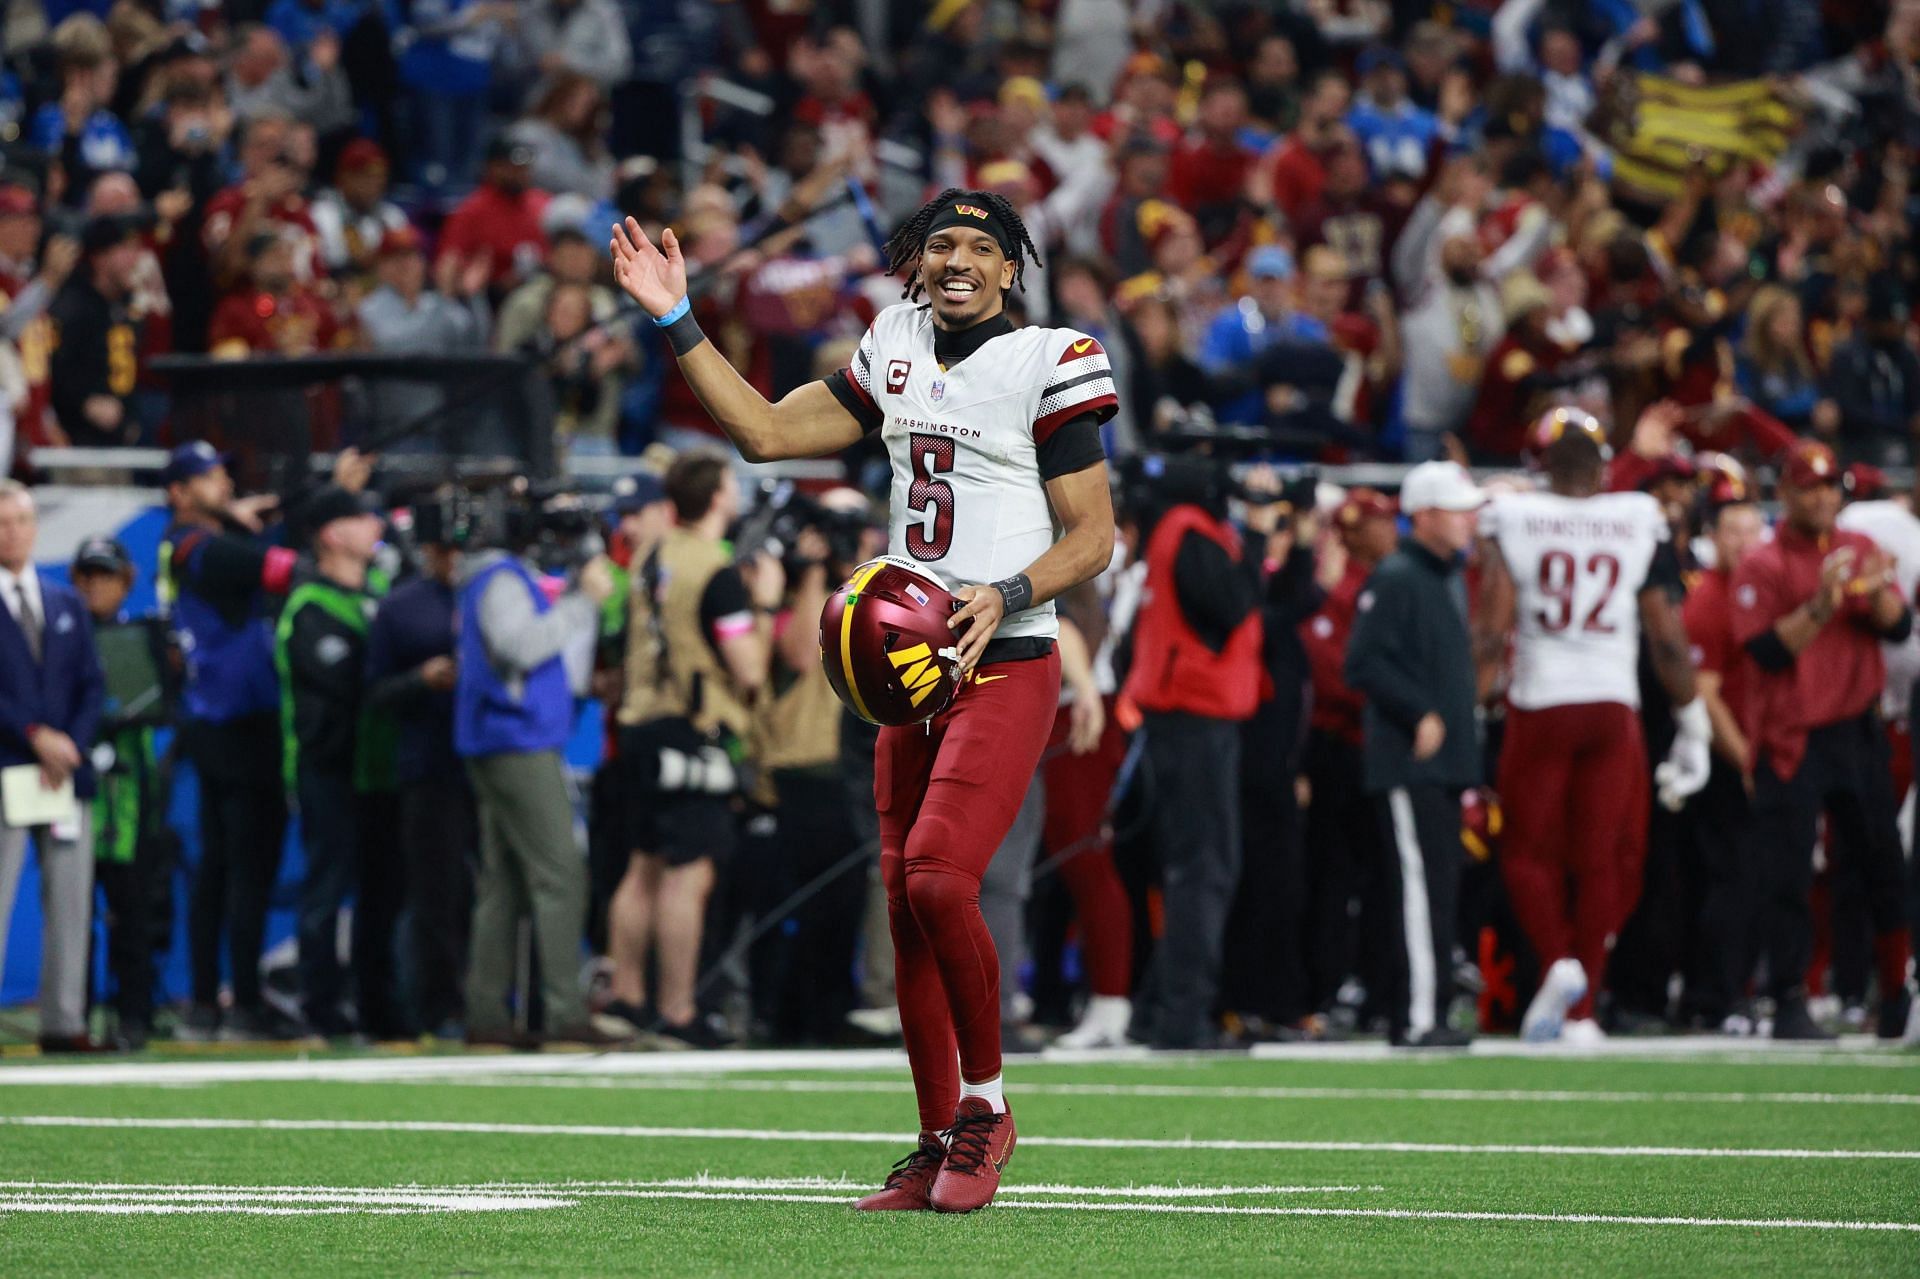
pixel 1554 423
pixel 885 644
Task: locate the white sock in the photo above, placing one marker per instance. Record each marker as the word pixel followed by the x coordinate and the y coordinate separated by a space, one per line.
pixel 988 1092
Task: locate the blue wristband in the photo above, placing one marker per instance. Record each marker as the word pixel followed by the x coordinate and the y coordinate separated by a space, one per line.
pixel 680 308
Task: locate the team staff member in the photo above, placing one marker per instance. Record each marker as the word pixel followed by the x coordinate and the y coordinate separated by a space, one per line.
pixel 216 578
pixel 336 757
pixel 1810 609
pixel 1196 677
pixel 129 813
pixel 1714 825
pixel 51 691
pixel 1341 831
pixel 697 652
pixel 1411 657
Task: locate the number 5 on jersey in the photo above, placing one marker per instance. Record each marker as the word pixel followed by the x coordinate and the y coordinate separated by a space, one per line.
pixel 930 498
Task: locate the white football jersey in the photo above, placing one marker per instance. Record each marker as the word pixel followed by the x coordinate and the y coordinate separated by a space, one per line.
pixel 1896 531
pixel 1579 565
pixel 968 500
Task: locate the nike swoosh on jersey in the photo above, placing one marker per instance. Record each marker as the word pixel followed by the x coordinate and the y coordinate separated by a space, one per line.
pixel 987 679
pixel 1082 345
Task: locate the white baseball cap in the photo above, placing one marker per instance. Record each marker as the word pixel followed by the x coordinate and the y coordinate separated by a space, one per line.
pixel 1440 486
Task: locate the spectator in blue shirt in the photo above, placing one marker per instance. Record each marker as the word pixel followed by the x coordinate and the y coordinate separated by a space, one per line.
pixel 1254 323
pixel 1773 368
pixel 446 50
pixel 299 21
pixel 79 130
pixel 1396 133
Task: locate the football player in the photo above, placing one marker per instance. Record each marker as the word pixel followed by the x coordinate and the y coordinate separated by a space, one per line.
pixel 1575 573
pixel 999 486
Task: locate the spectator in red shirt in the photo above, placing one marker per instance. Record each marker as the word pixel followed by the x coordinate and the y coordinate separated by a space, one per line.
pixel 273 168
pixel 1810 610
pixel 1294 172
pixel 273 314
pixel 501 219
pixel 1715 823
pixel 1208 175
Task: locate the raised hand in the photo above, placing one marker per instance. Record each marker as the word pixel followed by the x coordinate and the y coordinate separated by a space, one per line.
pixel 654 278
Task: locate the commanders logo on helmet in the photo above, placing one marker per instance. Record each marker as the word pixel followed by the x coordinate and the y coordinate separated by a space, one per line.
pixel 1552 425
pixel 885 644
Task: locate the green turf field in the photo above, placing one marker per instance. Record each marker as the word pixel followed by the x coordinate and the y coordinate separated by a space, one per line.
pixel 1638 1163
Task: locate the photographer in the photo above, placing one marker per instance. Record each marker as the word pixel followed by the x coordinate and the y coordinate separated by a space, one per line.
pixel 803 974
pixel 513 714
pixel 1196 676
pixel 410 676
pixel 697 657
pixel 336 755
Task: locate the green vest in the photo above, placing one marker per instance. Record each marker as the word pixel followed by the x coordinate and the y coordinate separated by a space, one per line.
pixel 376 741
pixel 125 798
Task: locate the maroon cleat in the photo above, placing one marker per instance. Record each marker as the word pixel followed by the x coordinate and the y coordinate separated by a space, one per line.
pixel 909 1186
pixel 978 1147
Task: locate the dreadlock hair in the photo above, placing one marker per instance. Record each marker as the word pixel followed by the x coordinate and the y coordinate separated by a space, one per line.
pixel 903 250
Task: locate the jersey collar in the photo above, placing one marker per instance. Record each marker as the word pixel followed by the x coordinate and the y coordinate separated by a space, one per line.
pixel 950 346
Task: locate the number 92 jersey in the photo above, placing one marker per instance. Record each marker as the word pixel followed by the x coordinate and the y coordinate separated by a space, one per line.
pixel 1578 565
pixel 969 496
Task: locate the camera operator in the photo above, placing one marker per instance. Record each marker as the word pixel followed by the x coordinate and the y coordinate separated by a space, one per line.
pixel 1196 677
pixel 336 755
pixel 129 809
pixel 410 676
pixel 697 657
pixel 512 716
pixel 216 577
pixel 804 980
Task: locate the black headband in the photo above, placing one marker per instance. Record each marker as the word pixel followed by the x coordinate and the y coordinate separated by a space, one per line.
pixel 977 216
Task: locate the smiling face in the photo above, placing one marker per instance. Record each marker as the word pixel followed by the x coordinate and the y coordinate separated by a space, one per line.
pixel 965 274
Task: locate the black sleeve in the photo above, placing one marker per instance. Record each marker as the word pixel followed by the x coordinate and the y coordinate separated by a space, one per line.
pixel 864 411
pixel 725 596
pixel 1767 649
pixel 1663 574
pixel 1215 593
pixel 1898 632
pixel 1074 446
pixel 1292 591
pixel 1381 660
pixel 320 656
pixel 219 567
pixel 79 364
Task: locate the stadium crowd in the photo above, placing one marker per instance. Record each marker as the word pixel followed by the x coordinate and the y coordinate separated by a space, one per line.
pixel 1308 233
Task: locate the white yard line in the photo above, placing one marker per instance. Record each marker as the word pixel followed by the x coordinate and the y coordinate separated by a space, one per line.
pixel 1700 1049
pixel 805 1136
pixel 1394 1214
pixel 130 1198
pixel 1221 1092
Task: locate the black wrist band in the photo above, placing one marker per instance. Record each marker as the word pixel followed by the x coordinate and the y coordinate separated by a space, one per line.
pixel 683 334
pixel 1017 591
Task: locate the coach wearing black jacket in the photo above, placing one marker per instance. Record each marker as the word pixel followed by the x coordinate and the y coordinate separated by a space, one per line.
pixel 1411 657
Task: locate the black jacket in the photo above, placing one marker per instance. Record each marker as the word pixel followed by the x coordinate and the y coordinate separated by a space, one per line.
pixel 1411 654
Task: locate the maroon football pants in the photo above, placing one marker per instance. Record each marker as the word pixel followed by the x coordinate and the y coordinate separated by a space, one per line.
pixel 1573 787
pixel 947 792
pixel 1078 788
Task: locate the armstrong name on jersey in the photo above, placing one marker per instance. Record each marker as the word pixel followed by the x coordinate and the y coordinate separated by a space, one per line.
pixel 968 443
pixel 1578 565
